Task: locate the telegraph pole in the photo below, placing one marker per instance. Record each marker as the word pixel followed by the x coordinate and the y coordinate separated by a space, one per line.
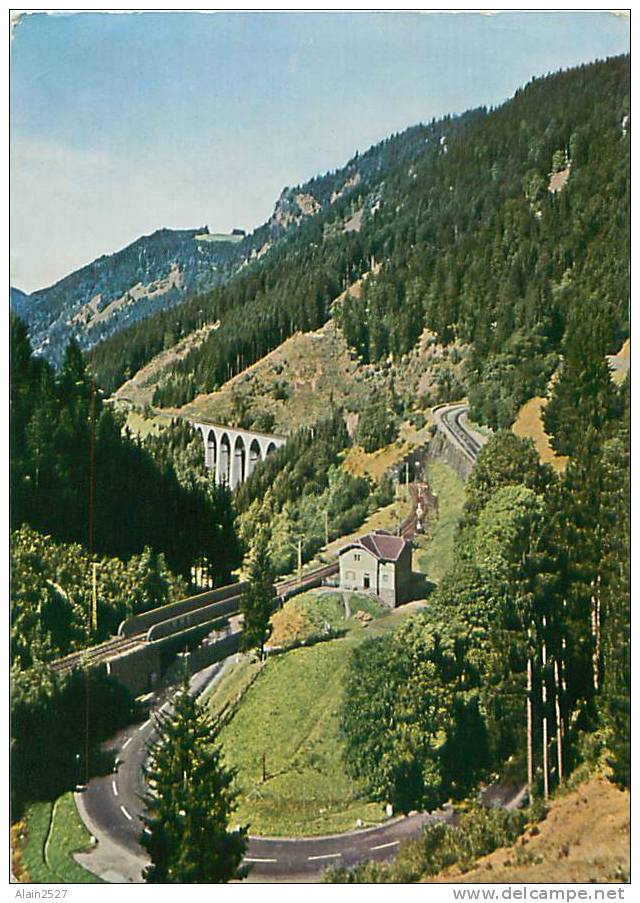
pixel 94 597
pixel 529 719
pixel 93 614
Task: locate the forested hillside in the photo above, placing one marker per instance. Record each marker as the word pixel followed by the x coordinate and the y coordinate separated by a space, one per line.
pixel 520 665
pixel 305 258
pixel 160 270
pixel 151 274
pixel 76 477
pixel 494 231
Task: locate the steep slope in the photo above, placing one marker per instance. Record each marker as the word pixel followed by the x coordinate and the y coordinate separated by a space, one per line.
pixel 492 235
pixel 564 848
pixel 327 214
pixel 19 301
pixel 158 271
pixel 153 273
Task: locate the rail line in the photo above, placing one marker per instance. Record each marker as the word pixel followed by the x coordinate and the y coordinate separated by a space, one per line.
pixel 151 633
pixel 95 654
pixel 450 420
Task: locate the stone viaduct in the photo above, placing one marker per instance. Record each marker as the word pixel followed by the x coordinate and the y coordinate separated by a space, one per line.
pixel 234 453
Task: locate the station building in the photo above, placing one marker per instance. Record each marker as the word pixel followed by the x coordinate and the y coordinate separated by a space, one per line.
pixel 380 563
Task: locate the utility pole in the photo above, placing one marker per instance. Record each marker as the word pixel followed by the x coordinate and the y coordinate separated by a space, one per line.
pixel 87 697
pixel 407 473
pixel 94 597
pixel 92 437
pixel 529 720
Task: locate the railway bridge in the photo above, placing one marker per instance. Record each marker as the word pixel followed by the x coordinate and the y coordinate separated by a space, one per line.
pixel 148 643
pixel 233 453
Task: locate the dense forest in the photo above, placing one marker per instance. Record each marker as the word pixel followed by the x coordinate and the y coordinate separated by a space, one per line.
pixel 494 231
pixel 75 476
pixel 530 627
pixel 301 494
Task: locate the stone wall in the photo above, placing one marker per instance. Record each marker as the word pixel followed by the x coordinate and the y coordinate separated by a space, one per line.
pixel 442 449
pixel 139 670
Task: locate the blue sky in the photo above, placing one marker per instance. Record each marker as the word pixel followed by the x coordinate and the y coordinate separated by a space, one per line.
pixel 122 124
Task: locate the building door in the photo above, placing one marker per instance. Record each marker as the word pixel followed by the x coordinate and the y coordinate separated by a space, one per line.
pixel 366 581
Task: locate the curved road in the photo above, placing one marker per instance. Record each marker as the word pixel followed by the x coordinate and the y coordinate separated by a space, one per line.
pixel 111 805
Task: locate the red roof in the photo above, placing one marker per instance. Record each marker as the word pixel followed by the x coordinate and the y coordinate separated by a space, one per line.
pixel 382 545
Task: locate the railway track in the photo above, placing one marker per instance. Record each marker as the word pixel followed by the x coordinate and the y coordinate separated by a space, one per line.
pixel 117 645
pixel 95 654
pixel 450 420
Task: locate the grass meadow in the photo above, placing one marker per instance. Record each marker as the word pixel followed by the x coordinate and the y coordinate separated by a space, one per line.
pixel 288 719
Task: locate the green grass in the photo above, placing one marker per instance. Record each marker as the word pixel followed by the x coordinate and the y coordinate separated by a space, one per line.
pixel 433 553
pixel 232 685
pixel 315 615
pixel 290 714
pixel 53 832
pixel 322 608
pixel 329 607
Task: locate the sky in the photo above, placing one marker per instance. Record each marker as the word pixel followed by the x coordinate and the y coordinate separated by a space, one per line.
pixel 124 124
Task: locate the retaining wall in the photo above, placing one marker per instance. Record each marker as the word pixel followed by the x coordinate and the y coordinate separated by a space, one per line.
pixel 441 448
pixel 202 657
pixel 139 670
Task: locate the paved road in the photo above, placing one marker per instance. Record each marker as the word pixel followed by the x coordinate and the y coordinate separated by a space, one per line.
pixel 112 806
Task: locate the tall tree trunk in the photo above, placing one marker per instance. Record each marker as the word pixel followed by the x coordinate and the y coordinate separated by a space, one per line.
pixel 595 630
pixel 559 725
pixel 529 721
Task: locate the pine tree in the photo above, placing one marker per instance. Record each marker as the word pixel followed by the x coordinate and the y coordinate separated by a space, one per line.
pixel 257 600
pixel 190 801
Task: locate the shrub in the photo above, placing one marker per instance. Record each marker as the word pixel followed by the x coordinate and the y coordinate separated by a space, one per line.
pixel 475 833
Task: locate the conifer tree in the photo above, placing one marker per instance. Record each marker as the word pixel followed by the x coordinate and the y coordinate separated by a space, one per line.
pixel 257 600
pixel 190 801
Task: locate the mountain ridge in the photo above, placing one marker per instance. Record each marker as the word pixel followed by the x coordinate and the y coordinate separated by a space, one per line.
pixel 492 236
pixel 160 270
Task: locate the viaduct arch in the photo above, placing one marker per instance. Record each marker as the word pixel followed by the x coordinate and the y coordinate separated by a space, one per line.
pixel 233 453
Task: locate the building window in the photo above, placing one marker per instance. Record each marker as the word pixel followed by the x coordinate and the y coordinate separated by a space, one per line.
pixel 366 581
pixel 356 557
pixel 350 575
pixel 385 578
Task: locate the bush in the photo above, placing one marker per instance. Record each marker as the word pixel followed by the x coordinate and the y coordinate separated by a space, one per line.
pixel 48 728
pixel 440 846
